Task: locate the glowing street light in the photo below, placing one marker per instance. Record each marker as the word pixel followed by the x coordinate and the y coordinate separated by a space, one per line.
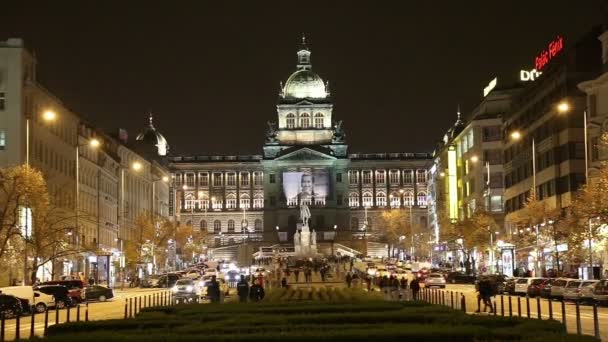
pixel 94 143
pixel 516 135
pixel 563 107
pixel 474 159
pixel 165 179
pixel 136 166
pixel 49 115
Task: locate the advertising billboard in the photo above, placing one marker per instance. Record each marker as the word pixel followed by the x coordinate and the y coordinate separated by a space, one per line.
pixel 305 185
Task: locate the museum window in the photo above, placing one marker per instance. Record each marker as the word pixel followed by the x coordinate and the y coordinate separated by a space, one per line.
pixel 380 177
pixel 2 101
pixel 2 139
pixel 244 201
pixel 353 178
pixel 290 120
pixel 231 226
pixel 354 224
pixel 203 225
pixel 339 199
pixel 408 176
pixel 204 204
pixel 304 120
pixel 318 120
pixel 381 199
pixel 367 177
pixel 393 176
pixel 244 179
pixel 339 177
pixel 420 176
pixel 203 179
pixel 216 203
pixel 231 179
pixel 395 200
pixel 353 200
pixel 217 226
pixel 257 178
pixel 258 202
pixel 368 200
pixel 189 202
pixel 272 178
pixel 190 180
pixel 408 199
pixel 258 225
pixel 231 202
pixel 422 198
pixel 217 179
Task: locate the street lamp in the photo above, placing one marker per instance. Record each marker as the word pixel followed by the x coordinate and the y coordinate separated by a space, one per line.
pixel 516 136
pixel 136 166
pixel 334 239
pixel 474 159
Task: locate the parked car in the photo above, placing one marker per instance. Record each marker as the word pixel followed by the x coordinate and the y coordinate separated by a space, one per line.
pixel 600 294
pixel 40 301
pixel 509 286
pixel 98 292
pixel 535 286
pixel 558 286
pixel 10 306
pixel 150 281
pixel 60 293
pixel 422 274
pixel 167 280
pixel 587 289
pixel 574 290
pixel 435 280
pixel 75 288
pixel 460 278
pixel 521 285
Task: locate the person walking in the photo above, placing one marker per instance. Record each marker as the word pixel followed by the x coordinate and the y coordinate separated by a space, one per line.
pixel 348 279
pixel 284 283
pixel 256 292
pixel 213 291
pixel 242 289
pixel 403 286
pixel 368 281
pixel 296 273
pixel 415 287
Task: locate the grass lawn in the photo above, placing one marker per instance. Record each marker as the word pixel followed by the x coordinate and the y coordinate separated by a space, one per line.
pixel 317 315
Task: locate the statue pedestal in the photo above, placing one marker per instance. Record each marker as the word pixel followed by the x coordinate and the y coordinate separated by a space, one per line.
pixel 304 244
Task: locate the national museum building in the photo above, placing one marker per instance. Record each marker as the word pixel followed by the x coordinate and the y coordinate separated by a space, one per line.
pixel 305 158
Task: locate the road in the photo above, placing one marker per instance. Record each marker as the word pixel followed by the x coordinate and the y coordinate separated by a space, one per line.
pixel 114 308
pixel 586 311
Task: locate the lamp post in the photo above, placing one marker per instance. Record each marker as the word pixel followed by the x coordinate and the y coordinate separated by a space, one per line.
pixel 334 239
pixel 492 256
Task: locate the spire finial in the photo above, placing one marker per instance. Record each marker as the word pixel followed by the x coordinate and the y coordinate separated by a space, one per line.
pixel 303 38
pixel 458 116
pixel 150 118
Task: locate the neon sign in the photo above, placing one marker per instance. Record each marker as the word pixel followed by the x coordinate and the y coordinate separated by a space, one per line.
pixel 554 48
pixel 489 87
pixel 525 75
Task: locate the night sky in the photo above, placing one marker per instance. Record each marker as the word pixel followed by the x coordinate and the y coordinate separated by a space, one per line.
pixel 210 71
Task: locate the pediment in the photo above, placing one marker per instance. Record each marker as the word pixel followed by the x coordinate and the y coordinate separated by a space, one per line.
pixel 305 153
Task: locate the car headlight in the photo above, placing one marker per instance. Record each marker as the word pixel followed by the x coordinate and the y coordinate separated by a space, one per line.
pixel 189 288
pixel 174 289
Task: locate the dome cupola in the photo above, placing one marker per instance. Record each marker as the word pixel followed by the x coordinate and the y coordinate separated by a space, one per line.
pixel 304 83
pixel 153 137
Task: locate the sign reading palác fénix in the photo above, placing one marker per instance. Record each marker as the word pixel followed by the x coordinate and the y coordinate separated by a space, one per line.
pixel 554 48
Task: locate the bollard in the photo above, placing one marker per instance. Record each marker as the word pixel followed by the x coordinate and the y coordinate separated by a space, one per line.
pixel 596 322
pixel 130 307
pixel 452 299
pixel 86 312
pixel 140 303
pixel 463 303
pixel 56 316
pixel 564 314
pixel 78 313
pixel 495 307
pixel 528 306
pixel 135 306
pixel 32 323
pixel 519 306
pixel 126 308
pixel 67 313
pixel 502 305
pixel 540 316
pixel 2 326
pixel 578 318
pixel 510 307
pixel 46 319
pixel 17 327
pixel 443 301
pixel 550 308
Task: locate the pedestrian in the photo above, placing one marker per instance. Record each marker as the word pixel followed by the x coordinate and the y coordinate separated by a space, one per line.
pixel 394 287
pixel 349 279
pixel 242 289
pixel 403 286
pixel 256 292
pixel 296 273
pixel 213 291
pixel 284 283
pixel 415 287
pixel 368 281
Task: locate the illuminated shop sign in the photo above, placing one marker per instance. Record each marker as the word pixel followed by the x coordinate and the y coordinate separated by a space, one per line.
pixel 525 75
pixel 452 183
pixel 552 50
pixel 490 86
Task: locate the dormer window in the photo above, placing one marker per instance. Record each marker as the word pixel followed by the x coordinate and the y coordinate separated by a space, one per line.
pixel 291 121
pixel 305 120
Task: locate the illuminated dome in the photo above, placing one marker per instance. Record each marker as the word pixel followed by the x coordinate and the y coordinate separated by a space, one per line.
pixel 304 84
pixel 153 137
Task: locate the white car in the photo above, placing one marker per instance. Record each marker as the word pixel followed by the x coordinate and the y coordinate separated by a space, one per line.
pixel 434 280
pixel 522 284
pixel 40 301
pixel 192 274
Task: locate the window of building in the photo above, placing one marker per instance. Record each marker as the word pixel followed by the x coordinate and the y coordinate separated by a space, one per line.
pixel 496 204
pixel 203 179
pixel 304 120
pixel 290 120
pixel 352 177
pixel 257 178
pixel 258 225
pixel 339 177
pixel 245 179
pixel 216 202
pixel 492 133
pixel 354 224
pixel 231 201
pixel 189 202
pixel 258 202
pixel 408 176
pixel 217 226
pixel 395 200
pixel 494 157
pixel 244 201
pixel 2 139
pixel 381 199
pixel 368 200
pixel 367 177
pixel 393 176
pixel 319 120
pixel 408 199
pixel 190 180
pixel 273 201
pixel 203 225
pixel 231 179
pixel 339 199
pixel 420 176
pixel 380 176
pixel 422 198
pixel 2 101
pixel 230 226
pixel 204 204
pixel 353 200
pixel 470 139
pixel 217 179
pixel 272 178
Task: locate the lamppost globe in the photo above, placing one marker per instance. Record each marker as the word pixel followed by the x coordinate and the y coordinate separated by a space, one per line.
pixel 136 166
pixel 516 135
pixel 165 179
pixel 49 115
pixel 563 107
pixel 474 159
pixel 94 143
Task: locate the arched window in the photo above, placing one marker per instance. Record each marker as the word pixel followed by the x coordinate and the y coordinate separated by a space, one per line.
pixel 203 225
pixel 408 199
pixel 217 226
pixel 354 223
pixel 319 120
pixel 290 120
pixel 245 202
pixel 244 225
pixel 422 198
pixel 258 225
pixel 381 199
pixel 368 200
pixel 231 201
pixel 258 201
pixel 304 120
pixel 395 200
pixel 189 202
pixel 353 200
pixel 230 226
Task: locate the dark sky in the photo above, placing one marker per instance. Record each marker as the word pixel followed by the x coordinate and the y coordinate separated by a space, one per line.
pixel 210 70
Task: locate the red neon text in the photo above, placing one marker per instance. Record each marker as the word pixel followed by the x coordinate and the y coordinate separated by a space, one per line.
pixel 554 48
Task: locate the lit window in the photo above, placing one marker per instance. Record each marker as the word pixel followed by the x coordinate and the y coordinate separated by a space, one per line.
pixel 353 200
pixel 244 201
pixel 231 179
pixel 217 226
pixel 395 201
pixel 217 203
pixel 318 120
pixel 217 179
pixel 381 199
pixel 291 120
pixel 2 139
pixel 203 179
pixel 380 176
pixel 305 120
pixel 258 202
pixel 230 202
pixel 408 176
pixel 408 199
pixel 422 198
pixel 257 178
pixel 189 202
pixel 421 176
pixel 368 200
pixel 190 180
pixel 230 226
pixel 352 178
pixel 245 179
pixel 393 176
pixel 367 177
